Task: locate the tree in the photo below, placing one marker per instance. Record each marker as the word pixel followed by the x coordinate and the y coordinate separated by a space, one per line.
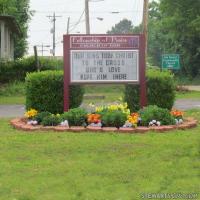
pixel 174 27
pixel 124 26
pixel 20 10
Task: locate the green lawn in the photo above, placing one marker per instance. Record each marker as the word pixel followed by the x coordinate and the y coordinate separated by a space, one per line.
pixel 62 166
pixel 188 95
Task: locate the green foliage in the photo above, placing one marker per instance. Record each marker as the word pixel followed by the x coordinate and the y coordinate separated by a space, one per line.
pixel 75 116
pixel 15 88
pixel 41 115
pixel 44 92
pixel 20 10
pixel 174 28
pixel 124 26
pixel 51 120
pixel 160 90
pixel 131 96
pixel 17 70
pixel 115 118
pixel 150 113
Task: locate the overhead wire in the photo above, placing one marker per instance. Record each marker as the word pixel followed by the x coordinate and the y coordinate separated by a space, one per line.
pixel 76 24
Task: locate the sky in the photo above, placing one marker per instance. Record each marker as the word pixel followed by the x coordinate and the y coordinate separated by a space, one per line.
pixel 40 25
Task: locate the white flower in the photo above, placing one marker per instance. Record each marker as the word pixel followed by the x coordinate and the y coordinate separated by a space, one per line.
pixel 64 123
pixel 32 122
pixel 127 125
pixel 151 123
pixel 180 121
pixel 176 121
pixel 158 123
pixel 96 124
pixel 154 121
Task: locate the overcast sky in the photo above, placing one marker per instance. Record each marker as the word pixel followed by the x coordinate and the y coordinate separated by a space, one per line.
pixel 40 25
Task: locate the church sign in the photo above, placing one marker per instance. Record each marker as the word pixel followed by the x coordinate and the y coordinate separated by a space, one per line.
pixel 103 59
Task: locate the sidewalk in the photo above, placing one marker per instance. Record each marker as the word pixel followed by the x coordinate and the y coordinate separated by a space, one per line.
pixel 192 87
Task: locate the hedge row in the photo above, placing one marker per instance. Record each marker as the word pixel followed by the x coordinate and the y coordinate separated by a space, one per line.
pixel 17 70
pixel 44 92
pixel 160 90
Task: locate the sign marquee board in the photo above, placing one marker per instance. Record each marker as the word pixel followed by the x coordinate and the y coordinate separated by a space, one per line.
pixel 104 66
pixel 103 59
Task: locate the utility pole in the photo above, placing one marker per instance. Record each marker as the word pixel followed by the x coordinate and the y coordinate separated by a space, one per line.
pixel 53 20
pixel 42 48
pixel 36 58
pixel 68 20
pixel 87 17
pixel 145 23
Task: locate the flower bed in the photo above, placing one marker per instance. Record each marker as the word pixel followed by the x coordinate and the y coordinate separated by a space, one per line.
pixel 21 124
pixel 112 118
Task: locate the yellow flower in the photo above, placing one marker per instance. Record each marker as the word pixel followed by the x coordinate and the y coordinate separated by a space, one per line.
pixel 99 109
pixel 31 113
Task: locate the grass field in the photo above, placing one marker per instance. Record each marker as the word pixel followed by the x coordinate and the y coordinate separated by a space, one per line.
pixel 62 166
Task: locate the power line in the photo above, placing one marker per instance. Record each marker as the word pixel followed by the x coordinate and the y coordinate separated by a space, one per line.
pixel 77 21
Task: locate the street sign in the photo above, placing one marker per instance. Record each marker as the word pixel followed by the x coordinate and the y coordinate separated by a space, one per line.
pixel 171 61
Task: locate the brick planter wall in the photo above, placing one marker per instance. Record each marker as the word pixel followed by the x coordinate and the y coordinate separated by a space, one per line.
pixel 20 124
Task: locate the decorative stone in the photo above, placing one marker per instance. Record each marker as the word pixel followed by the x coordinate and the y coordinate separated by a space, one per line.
pixel 77 128
pixel 94 128
pixel 21 123
pixel 47 128
pixel 27 127
pixel 61 128
pixel 127 130
pixel 183 126
pixel 141 129
pixel 109 129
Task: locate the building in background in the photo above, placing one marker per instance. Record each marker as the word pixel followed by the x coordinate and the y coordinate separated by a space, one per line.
pixel 8 30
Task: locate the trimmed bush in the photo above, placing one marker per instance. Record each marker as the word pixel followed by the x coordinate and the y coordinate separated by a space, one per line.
pixel 17 70
pixel 51 120
pixel 160 90
pixel 40 116
pixel 115 118
pixel 44 92
pixel 151 112
pixel 75 117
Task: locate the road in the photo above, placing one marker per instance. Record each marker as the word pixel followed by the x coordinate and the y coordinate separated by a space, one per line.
pixel 18 110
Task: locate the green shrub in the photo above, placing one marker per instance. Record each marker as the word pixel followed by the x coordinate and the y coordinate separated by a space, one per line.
pixel 151 112
pixel 114 118
pixel 15 88
pixel 44 92
pixel 75 117
pixel 51 120
pixel 160 90
pixel 17 70
pixel 41 115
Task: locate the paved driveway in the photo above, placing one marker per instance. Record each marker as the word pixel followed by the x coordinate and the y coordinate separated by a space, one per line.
pixel 12 110
pixel 18 110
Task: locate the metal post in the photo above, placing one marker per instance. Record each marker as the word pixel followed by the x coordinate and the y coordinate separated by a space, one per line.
pixel 54 34
pixel 36 58
pixel 87 17
pixel 68 20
